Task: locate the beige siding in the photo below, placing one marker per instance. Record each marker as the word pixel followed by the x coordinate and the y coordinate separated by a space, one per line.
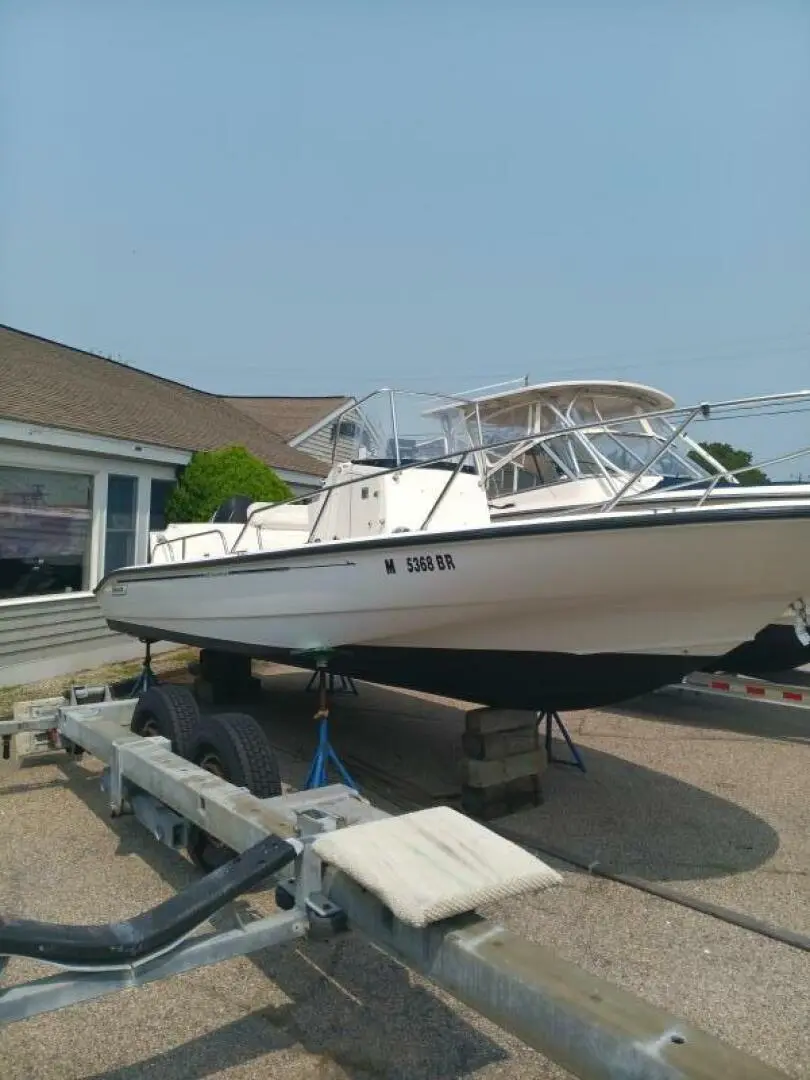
pixel 319 445
pixel 47 637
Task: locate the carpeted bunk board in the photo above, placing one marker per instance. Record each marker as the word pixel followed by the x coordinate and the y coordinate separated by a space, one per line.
pixel 431 864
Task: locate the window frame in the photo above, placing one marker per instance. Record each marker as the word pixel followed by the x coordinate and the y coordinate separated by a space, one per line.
pixel 33 464
pixel 131 531
pixel 50 457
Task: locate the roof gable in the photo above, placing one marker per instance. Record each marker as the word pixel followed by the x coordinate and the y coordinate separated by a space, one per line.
pixel 289 417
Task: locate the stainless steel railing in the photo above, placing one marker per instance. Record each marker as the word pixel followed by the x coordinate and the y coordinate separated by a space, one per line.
pixel 622 495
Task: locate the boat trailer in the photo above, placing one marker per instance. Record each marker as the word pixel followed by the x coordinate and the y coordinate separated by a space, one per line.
pixel 410 883
pixel 749 688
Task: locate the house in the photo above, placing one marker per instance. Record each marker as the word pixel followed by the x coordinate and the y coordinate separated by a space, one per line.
pixel 90 449
pixel 307 424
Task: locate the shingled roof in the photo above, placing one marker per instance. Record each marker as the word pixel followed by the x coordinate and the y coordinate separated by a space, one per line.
pixel 287 416
pixel 44 382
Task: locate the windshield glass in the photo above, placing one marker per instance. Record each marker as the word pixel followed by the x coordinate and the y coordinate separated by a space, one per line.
pixel 388 428
pixel 629 451
pixel 531 469
pixel 602 408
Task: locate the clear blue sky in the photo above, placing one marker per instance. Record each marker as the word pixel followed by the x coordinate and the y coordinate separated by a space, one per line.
pixel 266 197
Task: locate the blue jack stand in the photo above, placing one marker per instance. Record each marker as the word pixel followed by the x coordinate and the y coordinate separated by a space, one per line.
pixel 554 718
pixel 147 677
pixel 347 685
pixel 317 776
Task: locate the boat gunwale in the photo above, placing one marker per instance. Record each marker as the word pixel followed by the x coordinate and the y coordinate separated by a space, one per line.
pixel 542 525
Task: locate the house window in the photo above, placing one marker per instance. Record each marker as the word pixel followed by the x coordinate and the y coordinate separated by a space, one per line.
pixel 119 542
pixel 46 522
pixel 158 497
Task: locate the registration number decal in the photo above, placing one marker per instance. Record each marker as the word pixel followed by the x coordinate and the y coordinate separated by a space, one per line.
pixel 423 564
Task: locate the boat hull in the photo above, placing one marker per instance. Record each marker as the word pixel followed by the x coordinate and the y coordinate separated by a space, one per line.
pixel 553 682
pixel 552 614
pixel 776 648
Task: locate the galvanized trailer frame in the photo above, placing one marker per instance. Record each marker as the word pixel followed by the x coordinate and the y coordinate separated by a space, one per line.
pixel 746 687
pixel 589 1026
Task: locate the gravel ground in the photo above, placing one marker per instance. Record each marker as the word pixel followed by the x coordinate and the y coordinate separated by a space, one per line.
pixel 708 796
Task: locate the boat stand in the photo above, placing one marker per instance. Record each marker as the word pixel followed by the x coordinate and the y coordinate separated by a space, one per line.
pixel 576 759
pixel 147 678
pixel 325 752
pixel 347 684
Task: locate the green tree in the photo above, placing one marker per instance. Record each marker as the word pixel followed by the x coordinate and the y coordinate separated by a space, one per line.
pixel 732 458
pixel 212 476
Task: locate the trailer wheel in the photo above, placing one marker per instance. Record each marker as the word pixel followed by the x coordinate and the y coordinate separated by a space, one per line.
pixel 170 711
pixel 233 747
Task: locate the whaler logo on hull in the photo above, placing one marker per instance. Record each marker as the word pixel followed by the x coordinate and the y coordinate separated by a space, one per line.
pixel 118 590
pixel 423 564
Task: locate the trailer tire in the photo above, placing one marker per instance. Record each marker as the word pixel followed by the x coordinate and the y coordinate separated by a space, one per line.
pixel 234 747
pixel 170 711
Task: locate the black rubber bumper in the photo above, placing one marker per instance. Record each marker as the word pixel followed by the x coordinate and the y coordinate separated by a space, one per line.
pixel 153 931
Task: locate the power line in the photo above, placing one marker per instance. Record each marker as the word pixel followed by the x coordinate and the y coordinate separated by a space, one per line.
pixel 749 342
pixel 678 363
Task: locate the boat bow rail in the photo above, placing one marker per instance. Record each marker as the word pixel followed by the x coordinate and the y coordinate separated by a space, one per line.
pixel 408 883
pixel 471 455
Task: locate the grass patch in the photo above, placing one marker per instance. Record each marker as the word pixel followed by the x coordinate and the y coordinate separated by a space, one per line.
pixel 164 664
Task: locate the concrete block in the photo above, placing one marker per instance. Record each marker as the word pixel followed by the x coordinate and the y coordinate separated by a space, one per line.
pixel 501 799
pixel 485 721
pixel 484 774
pixel 224 667
pixel 225 693
pixel 500 744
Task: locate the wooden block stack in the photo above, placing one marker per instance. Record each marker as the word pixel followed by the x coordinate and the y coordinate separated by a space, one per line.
pixel 502 764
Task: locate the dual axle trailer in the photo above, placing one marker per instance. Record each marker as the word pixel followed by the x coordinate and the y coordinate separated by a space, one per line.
pixel 410 883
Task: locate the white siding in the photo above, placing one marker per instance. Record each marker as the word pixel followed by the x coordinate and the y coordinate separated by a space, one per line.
pixel 44 637
pixel 319 445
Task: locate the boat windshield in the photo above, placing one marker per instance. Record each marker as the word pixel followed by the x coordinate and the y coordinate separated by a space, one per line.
pixel 524 439
pixel 632 444
pixel 629 451
pixel 615 448
pixel 391 428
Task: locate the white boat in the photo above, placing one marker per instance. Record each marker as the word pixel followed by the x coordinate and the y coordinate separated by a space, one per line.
pixel 398 573
pixel 578 448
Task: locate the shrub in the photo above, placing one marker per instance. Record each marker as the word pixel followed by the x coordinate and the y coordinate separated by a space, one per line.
pixel 212 476
pixel 731 458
